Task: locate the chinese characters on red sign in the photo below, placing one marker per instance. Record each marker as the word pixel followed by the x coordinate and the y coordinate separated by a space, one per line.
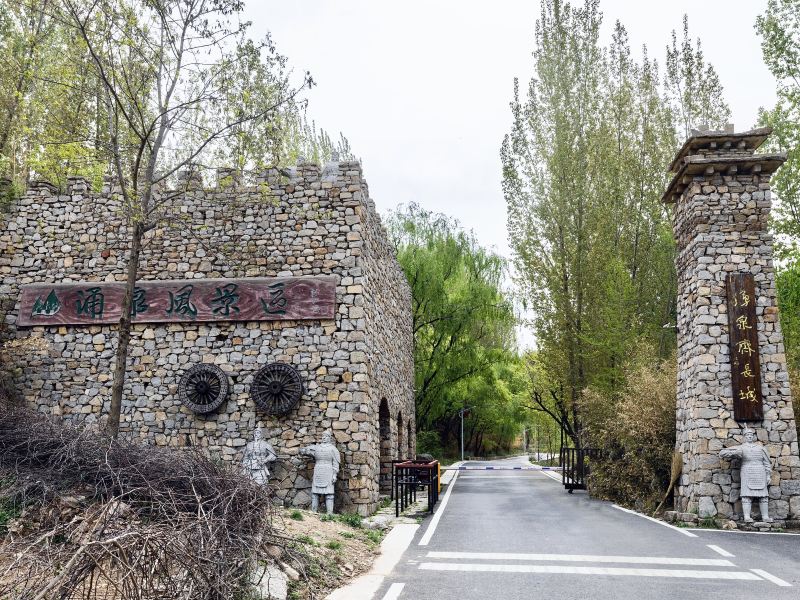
pixel 250 299
pixel 745 364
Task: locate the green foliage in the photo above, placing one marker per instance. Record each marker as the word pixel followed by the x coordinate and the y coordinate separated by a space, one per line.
pixel 584 167
pixel 9 510
pixel 373 536
pixel 463 334
pixel 333 545
pixel 430 442
pixel 47 130
pixel 636 429
pixel 779 28
pixel 693 87
pixel 296 515
pixel 306 539
pixel 788 285
pixel 351 519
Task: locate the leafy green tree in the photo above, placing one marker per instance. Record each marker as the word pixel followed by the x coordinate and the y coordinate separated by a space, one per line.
pixel 693 87
pixel 47 131
pixel 583 173
pixel 463 330
pixel 171 78
pixel 779 28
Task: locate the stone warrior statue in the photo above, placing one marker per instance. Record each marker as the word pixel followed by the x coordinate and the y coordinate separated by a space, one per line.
pixel 257 456
pixel 754 473
pixel 326 468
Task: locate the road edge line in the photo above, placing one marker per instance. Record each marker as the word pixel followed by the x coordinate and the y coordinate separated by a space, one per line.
pixel 638 514
pixel 750 532
pixel 435 521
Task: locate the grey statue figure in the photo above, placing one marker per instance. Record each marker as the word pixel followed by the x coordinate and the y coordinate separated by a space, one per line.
pixel 258 454
pixel 326 468
pixel 755 472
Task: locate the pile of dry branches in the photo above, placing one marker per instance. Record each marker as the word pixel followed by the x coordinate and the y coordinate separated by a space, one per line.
pixel 114 519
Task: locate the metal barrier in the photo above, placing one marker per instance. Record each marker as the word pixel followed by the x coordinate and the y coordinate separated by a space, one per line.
pixel 410 476
pixel 575 466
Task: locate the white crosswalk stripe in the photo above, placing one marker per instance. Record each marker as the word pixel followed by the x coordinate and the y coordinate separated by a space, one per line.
pixel 574 570
pixel 640 560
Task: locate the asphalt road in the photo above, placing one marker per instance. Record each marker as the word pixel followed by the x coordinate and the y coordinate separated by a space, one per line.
pixel 508 535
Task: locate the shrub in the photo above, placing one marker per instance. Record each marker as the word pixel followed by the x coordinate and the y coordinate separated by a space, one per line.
pixel 168 520
pixel 429 442
pixel 636 429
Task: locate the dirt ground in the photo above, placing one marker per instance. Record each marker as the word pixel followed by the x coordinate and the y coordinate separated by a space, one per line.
pixel 326 552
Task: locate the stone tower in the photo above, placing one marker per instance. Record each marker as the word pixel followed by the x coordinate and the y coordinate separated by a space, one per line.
pixel 731 363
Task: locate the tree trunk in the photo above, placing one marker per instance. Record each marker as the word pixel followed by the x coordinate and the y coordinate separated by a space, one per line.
pixel 121 361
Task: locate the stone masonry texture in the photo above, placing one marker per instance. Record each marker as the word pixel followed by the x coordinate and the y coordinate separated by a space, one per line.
pixel 720 225
pixel 305 221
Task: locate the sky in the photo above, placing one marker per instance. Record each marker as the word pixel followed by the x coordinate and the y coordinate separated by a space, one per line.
pixel 421 89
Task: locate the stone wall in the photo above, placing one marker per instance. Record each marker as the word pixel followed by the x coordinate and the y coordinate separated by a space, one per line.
pixel 309 222
pixel 722 202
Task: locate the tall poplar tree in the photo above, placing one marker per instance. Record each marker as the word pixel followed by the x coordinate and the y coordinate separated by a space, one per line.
pixel 583 172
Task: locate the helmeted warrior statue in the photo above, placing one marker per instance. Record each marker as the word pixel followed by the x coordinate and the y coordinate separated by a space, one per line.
pixel 326 468
pixel 755 472
pixel 257 456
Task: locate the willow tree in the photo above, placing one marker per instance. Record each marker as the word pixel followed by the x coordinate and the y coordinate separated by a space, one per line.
pixel 178 84
pixel 463 322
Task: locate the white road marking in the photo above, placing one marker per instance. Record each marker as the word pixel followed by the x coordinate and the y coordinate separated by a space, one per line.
pixel 772 578
pixel 485 477
pixel 747 532
pixel 553 475
pixel 393 593
pixel 571 570
pixel 435 520
pixel 633 512
pixel 393 546
pixel 636 560
pixel 720 551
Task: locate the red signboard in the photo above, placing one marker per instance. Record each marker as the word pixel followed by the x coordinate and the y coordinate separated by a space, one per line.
pixel 744 351
pixel 180 300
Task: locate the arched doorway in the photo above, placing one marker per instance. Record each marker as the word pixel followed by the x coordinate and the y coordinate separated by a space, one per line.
pixel 385 440
pixel 401 450
pixel 410 450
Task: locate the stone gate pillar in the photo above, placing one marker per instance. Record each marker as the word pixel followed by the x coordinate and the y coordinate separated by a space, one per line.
pixel 731 362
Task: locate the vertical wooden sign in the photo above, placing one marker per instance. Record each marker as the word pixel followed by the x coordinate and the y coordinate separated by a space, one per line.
pixel 744 351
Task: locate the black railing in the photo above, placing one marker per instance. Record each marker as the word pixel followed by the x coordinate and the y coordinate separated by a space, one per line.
pixel 575 466
pixel 409 477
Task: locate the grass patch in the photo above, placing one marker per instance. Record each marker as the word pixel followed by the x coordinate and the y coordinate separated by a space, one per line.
pixel 9 510
pixel 709 523
pixel 328 517
pixel 351 519
pixel 296 515
pixel 348 535
pixel 334 545
pixel 306 539
pixel 373 536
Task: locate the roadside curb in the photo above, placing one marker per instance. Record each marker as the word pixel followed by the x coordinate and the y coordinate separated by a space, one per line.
pixel 393 546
